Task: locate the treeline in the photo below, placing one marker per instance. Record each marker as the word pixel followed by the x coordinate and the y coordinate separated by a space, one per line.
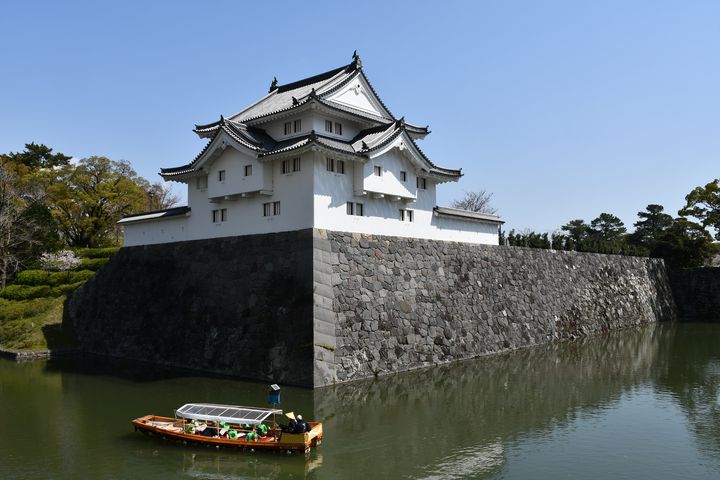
pixel 48 203
pixel 680 241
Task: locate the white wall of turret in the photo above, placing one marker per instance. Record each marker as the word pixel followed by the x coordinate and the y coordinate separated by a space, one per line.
pixel 253 196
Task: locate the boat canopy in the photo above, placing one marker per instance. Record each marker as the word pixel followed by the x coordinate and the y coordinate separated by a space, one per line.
pixel 225 413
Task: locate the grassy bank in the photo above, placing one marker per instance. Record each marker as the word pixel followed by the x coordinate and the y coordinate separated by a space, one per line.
pixel 31 307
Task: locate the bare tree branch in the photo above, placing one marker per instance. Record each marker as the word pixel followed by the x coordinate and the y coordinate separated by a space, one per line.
pixel 477 201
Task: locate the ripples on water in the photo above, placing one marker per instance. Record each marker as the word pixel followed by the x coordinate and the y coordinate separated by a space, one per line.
pixel 633 404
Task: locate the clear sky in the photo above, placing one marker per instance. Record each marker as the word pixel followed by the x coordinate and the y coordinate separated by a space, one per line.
pixel 563 109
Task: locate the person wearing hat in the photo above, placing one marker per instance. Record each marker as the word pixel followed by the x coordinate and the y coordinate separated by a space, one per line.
pixel 301 426
pixel 292 424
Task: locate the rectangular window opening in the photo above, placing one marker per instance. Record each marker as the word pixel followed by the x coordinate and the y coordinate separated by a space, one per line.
pixel 296 164
pixel 338 128
pixel 221 175
pixel 403 176
pixel 286 128
pixel 359 209
pixel 328 126
pixel 349 208
pixel 276 208
pixel 298 126
pixel 248 170
pixel 286 166
pixel 378 170
pixel 340 166
pixel 330 164
pixel 223 214
pixel 421 183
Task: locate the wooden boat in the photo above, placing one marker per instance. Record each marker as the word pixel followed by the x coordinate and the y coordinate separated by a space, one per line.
pixel 229 426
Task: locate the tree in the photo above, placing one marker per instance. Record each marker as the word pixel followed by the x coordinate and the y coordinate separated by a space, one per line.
pixel 17 228
pixel 160 196
pixel 577 229
pixel 684 244
pixel 89 198
pixel 37 156
pixel 651 225
pixel 478 201
pixel 703 203
pixel 607 227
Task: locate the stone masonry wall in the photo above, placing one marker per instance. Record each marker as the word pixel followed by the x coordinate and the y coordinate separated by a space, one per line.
pixel 314 307
pixel 240 306
pixel 401 303
pixel 697 293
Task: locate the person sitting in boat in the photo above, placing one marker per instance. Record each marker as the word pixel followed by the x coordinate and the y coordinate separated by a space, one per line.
pixel 252 436
pixel 210 430
pixel 292 424
pixel 301 426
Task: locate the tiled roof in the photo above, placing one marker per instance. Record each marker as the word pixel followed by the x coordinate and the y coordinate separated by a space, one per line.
pixel 367 141
pixel 467 214
pixel 312 139
pixel 282 98
pixel 375 138
pixel 155 214
pixel 304 94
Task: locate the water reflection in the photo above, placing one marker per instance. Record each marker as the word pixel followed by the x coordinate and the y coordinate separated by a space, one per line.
pixel 692 374
pixel 641 402
pixel 232 466
pixel 449 419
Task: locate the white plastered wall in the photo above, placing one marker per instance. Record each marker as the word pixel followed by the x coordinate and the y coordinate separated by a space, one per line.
pixel 381 216
pixel 244 215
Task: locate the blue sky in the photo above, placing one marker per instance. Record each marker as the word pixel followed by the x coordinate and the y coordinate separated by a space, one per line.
pixel 563 109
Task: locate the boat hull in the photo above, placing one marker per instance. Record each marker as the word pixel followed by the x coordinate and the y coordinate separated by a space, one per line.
pixel 171 429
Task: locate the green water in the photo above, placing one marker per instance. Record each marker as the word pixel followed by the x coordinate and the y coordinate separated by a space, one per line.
pixel 640 404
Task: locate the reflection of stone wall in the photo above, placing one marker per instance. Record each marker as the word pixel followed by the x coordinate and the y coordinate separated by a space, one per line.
pixel 239 305
pixel 478 404
pixel 697 293
pixel 408 303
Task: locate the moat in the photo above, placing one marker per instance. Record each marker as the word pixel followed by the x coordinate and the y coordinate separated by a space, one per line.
pixel 640 403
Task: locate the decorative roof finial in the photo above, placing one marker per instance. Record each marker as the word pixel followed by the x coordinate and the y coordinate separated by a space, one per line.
pixel 312 93
pixel 295 101
pixel 273 84
pixel 356 60
pixel 365 146
pixel 313 135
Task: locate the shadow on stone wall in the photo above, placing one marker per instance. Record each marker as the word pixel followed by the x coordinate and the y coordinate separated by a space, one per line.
pixel 240 306
pixel 697 293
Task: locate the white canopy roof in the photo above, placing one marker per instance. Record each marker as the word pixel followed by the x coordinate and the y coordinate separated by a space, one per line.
pixel 225 413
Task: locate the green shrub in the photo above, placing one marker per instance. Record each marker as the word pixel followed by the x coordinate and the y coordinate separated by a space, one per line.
pixel 80 276
pixel 27 324
pixel 25 292
pixel 14 310
pixel 93 263
pixel 61 290
pixel 97 252
pixel 58 278
pixel 32 277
